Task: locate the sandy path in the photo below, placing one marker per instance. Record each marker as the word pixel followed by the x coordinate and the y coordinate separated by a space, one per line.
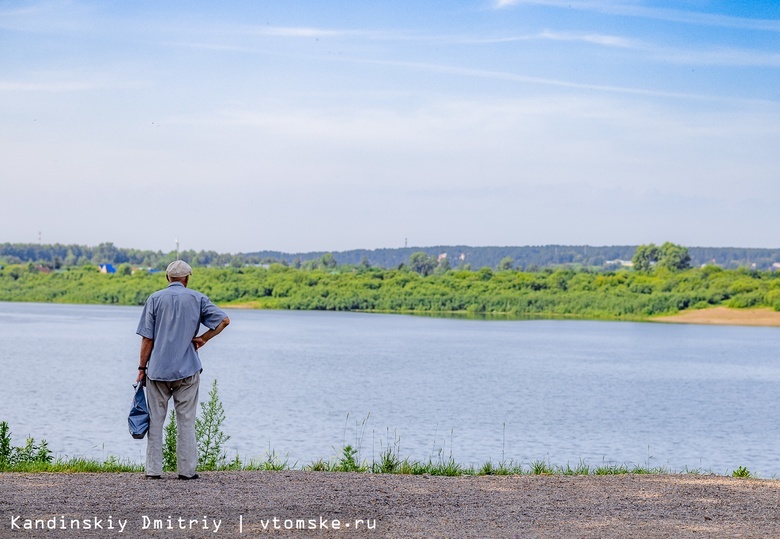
pixel 396 506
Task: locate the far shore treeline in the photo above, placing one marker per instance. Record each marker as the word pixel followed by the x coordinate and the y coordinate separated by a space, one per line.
pixel 530 257
pixel 661 281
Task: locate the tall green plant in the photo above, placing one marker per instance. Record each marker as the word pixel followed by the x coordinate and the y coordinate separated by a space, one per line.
pixel 208 431
pixel 169 445
pixel 5 445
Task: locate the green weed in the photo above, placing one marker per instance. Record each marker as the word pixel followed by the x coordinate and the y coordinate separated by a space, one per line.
pixel 541 467
pixel 208 432
pixel 169 444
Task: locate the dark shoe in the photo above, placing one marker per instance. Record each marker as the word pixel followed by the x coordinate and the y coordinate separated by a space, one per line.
pixel 153 477
pixel 184 477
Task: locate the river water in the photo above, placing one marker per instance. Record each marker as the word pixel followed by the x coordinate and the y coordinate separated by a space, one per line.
pixel 302 384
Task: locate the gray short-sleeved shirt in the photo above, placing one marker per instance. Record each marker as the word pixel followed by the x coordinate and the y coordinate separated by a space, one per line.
pixel 172 317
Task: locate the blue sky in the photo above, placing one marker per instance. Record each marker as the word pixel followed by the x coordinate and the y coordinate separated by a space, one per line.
pixel 299 126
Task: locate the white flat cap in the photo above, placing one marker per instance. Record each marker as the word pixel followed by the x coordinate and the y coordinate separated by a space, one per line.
pixel 178 268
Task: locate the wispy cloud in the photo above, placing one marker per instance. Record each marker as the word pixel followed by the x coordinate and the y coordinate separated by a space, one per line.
pixel 503 75
pixel 597 39
pixel 314 32
pixel 281 31
pixel 721 56
pixel 590 37
pixel 635 10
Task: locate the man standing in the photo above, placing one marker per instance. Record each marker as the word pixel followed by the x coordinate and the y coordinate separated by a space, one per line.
pixel 170 364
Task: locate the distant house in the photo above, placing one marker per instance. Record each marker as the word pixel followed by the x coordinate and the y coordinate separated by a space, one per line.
pixel 107 268
pixel 441 257
pixel 776 266
pixel 147 269
pixel 618 262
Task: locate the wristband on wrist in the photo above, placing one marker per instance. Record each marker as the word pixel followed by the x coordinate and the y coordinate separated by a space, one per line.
pixel 141 368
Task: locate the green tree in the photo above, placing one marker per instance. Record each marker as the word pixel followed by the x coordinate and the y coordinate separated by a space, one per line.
pixel 669 255
pixel 328 261
pixel 422 263
pixel 674 257
pixel 506 264
pixel 645 257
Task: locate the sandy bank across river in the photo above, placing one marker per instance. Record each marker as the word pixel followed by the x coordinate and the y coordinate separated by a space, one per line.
pixel 725 316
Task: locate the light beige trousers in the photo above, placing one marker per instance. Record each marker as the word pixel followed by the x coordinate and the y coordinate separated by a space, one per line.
pixel 185 402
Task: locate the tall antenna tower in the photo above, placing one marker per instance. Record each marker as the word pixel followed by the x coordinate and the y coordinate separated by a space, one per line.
pixel 177 248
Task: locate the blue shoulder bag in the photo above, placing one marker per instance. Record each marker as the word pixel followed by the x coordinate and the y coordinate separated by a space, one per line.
pixel 138 420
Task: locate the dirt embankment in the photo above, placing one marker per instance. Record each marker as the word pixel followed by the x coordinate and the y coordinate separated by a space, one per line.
pixel 317 504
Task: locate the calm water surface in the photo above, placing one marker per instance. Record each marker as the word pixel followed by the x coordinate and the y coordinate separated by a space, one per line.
pixel 303 383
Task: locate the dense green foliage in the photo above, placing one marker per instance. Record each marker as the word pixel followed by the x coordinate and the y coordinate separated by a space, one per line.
pixel 621 294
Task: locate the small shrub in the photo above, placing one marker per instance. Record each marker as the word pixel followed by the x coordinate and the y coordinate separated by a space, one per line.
pixel 348 461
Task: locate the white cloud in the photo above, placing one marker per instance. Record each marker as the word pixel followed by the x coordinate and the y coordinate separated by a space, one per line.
pixel 299 31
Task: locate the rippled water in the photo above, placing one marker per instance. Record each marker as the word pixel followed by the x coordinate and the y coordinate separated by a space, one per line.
pixel 303 383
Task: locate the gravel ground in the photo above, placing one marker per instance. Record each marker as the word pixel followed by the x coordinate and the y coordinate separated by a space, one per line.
pixel 244 504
